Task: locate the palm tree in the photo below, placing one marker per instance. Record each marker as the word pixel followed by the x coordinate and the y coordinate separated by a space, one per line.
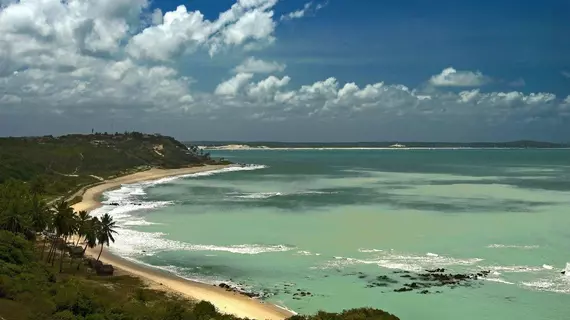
pixel 15 219
pixel 64 224
pixel 105 232
pixel 82 224
pixel 91 232
pixel 41 217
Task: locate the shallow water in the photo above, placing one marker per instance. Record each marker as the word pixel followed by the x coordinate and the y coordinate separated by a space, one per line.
pixel 330 222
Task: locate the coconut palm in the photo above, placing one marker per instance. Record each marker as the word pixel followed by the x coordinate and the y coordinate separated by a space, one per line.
pixel 15 219
pixel 105 232
pixel 91 231
pixel 83 220
pixel 41 217
pixel 64 224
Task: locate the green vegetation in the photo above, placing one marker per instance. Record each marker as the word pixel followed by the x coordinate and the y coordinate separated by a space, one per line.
pixel 42 245
pixel 57 165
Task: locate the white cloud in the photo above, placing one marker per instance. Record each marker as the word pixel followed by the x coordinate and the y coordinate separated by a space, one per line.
pixel 266 89
pixel 450 77
pixel 565 74
pixel 156 17
pixel 183 31
pixel 304 11
pixel 253 65
pixel 233 85
pixel 119 56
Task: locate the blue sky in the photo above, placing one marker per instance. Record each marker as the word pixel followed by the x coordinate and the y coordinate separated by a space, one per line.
pixel 176 72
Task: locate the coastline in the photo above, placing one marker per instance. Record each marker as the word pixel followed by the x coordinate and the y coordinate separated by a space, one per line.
pixel 225 301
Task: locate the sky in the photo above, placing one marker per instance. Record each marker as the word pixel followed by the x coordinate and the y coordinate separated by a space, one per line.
pixel 288 70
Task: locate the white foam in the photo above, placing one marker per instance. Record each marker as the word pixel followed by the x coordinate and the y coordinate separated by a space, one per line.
pixel 511 246
pixel 132 243
pixel 512 269
pixel 497 280
pixel 413 263
pixel 140 222
pixel 369 250
pixel 429 254
pixel 267 195
pixel 547 267
pixel 259 195
pixel 306 253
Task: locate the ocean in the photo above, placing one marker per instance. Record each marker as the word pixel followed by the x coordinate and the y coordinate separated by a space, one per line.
pixel 335 229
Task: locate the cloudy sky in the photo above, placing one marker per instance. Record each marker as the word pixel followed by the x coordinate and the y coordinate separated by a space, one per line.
pixel 288 70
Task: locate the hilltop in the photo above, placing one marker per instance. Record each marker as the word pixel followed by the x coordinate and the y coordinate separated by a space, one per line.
pixel 60 164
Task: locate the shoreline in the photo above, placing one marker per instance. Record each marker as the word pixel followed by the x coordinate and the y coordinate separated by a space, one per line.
pixel 225 301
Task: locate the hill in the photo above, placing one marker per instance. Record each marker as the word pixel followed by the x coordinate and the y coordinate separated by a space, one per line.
pixel 60 164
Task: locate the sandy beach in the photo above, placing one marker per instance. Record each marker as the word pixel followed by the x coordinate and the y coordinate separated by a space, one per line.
pixel 225 301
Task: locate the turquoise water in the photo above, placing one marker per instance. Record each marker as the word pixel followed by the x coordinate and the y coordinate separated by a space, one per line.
pixel 330 221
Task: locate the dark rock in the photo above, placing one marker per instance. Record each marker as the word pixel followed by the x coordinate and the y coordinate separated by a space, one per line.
pixel 406 276
pixel 225 286
pixel 403 289
pixel 362 276
pixel 563 272
pixel 424 292
pixel 436 270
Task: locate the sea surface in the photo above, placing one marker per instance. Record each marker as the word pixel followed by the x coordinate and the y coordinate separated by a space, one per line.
pixel 333 222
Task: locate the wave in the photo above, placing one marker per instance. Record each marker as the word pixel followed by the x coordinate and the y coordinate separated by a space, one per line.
pixel 259 195
pixel 557 285
pixel 513 269
pixel 510 246
pixel 306 253
pixel 497 280
pixel 369 250
pixel 267 195
pixel 233 168
pixel 134 243
pixel 412 263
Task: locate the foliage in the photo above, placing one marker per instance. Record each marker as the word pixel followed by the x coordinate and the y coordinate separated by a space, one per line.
pixel 57 165
pixel 32 287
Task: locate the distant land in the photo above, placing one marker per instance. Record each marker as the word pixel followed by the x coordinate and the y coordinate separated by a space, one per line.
pixel 232 145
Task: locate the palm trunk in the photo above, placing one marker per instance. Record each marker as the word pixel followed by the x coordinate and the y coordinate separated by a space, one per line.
pixel 78 264
pixel 100 253
pixel 61 261
pixel 44 249
pixel 51 250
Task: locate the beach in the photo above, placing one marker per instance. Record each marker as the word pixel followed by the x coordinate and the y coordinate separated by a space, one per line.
pixel 226 301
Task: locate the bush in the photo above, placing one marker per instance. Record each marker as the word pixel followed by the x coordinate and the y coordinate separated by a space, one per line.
pixel 205 310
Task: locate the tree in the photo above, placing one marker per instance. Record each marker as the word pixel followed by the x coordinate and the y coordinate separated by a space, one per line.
pixel 14 219
pixel 38 186
pixel 91 231
pixel 105 232
pixel 82 224
pixel 41 218
pixel 64 224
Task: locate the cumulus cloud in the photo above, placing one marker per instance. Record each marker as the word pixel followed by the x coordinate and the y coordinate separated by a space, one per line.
pixel 232 86
pixel 183 31
pixel 119 57
pixel 450 77
pixel 565 74
pixel 253 65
